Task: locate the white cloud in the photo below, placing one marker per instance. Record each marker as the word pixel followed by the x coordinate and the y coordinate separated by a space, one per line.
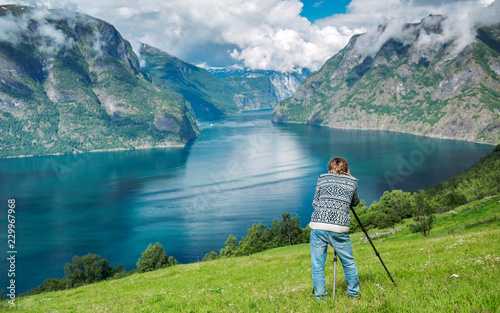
pixel 462 19
pixel 54 39
pixel 267 34
pixel 261 34
pixel 51 39
pixel 10 29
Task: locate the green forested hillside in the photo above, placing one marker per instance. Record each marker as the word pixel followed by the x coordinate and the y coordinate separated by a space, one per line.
pixel 69 83
pixel 208 96
pixel 478 181
pixel 481 180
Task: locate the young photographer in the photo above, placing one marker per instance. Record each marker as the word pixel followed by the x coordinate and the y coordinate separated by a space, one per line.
pixel 336 193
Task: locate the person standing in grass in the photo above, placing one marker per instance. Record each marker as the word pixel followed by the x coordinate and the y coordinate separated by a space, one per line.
pixel 336 193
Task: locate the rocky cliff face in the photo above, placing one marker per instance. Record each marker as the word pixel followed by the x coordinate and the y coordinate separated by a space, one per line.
pixel 251 93
pixel 208 95
pixel 416 83
pixel 69 82
pixel 285 84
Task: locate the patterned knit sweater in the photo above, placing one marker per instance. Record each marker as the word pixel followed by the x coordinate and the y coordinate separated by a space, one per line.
pixel 335 194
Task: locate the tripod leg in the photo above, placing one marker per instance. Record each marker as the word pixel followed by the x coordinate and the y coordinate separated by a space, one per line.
pixel 334 272
pixel 373 246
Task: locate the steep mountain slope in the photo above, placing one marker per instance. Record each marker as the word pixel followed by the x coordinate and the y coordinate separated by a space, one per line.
pixel 209 96
pixel 70 82
pixel 285 83
pixel 416 82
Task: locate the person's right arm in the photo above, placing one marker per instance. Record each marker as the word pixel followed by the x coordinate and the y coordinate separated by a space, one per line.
pixel 355 199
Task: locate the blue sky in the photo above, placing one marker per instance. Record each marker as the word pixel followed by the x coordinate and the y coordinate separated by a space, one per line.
pixel 318 9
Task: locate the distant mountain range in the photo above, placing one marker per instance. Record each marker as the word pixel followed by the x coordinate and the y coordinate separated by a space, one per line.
pixel 416 82
pixel 71 83
pixel 208 95
pixel 285 83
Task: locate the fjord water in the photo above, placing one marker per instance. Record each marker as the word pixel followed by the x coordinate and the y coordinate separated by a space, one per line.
pixel 242 170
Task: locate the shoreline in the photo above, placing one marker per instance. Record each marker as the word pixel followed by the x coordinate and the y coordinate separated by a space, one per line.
pixel 394 131
pixel 126 149
pixel 288 122
pixel 94 151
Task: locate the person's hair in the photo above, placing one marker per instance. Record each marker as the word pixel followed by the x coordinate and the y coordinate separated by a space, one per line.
pixel 338 166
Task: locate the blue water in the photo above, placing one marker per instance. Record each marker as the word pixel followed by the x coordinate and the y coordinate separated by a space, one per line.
pixel 241 170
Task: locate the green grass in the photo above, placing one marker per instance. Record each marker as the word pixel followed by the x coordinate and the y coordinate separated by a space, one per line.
pixel 279 280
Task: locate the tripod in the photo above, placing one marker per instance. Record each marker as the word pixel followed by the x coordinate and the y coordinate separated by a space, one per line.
pixel 376 252
pixel 334 272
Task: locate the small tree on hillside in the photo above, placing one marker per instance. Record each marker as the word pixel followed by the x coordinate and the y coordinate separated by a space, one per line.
pixel 54 284
pixel 153 258
pixel 424 216
pixel 87 269
pixel 212 255
pixel 382 215
pixel 392 207
pixel 451 200
pixel 402 203
pixel 361 210
pixel 271 235
pixel 253 242
pixel 120 272
pixel 229 247
pixel 291 233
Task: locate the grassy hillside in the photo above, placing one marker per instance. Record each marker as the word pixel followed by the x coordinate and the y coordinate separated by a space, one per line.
pixel 279 280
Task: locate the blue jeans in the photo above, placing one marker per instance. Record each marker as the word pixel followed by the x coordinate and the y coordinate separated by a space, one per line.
pixel 342 244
